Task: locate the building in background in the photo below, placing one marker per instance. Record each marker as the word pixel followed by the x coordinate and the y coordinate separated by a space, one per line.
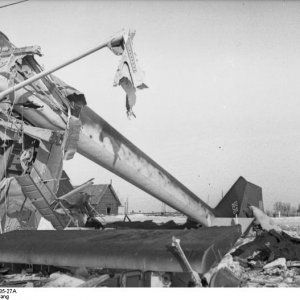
pixel 103 198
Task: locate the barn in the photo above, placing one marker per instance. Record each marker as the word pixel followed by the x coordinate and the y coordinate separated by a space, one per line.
pixel 103 198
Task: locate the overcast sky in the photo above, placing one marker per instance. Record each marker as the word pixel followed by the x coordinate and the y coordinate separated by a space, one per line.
pixel 223 97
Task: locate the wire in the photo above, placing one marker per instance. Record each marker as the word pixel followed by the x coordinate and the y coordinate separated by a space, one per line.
pixel 6 5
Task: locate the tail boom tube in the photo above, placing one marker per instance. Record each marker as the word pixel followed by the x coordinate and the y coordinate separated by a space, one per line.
pixel 105 146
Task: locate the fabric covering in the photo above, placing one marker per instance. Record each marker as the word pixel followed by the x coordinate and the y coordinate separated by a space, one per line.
pixel 145 250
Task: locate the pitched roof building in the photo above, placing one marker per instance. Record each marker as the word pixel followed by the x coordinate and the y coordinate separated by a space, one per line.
pixel 103 198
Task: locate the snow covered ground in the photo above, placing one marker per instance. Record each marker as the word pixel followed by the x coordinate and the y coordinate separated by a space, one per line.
pixel 288 223
pixel 144 217
pixel 46 225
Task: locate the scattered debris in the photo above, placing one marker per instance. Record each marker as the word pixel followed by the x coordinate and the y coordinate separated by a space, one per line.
pixel 269 246
pixel 228 263
pixel 293 264
pixel 94 282
pixel 63 280
pixel 4 271
pixel 224 278
pixel 270 259
pixel 23 279
pixel 279 262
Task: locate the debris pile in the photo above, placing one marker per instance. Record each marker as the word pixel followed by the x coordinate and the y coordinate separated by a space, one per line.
pixel 262 259
pixel 270 258
pixel 56 279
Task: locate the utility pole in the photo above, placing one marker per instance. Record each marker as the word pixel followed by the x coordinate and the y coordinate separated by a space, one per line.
pixel 126 206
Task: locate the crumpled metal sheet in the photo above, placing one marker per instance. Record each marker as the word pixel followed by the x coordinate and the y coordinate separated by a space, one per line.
pixel 129 75
pixel 71 137
pixel 15 211
pixel 224 278
pixel 4 187
pixel 68 91
pixel 269 246
pixel 49 163
pixel 41 184
pixel 145 250
pixel 40 197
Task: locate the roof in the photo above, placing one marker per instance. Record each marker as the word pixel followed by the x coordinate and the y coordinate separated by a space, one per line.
pixel 65 185
pixel 97 191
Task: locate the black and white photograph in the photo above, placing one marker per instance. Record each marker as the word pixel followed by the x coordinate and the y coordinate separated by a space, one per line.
pixel 149 144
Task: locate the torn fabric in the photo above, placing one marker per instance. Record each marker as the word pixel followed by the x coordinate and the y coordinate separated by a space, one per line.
pixel 129 75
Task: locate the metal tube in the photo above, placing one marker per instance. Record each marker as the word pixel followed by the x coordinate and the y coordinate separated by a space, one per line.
pixel 60 66
pixel 101 143
pixel 105 146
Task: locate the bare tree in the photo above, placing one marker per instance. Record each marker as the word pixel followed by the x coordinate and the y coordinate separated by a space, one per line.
pixel 283 208
pixel 269 213
pixel 298 210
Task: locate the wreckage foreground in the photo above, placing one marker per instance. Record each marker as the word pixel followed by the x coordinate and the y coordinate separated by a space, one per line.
pixel 267 258
pixel 44 121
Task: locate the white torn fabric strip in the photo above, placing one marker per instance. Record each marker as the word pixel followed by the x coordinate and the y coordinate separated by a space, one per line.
pixel 129 75
pixel 264 221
